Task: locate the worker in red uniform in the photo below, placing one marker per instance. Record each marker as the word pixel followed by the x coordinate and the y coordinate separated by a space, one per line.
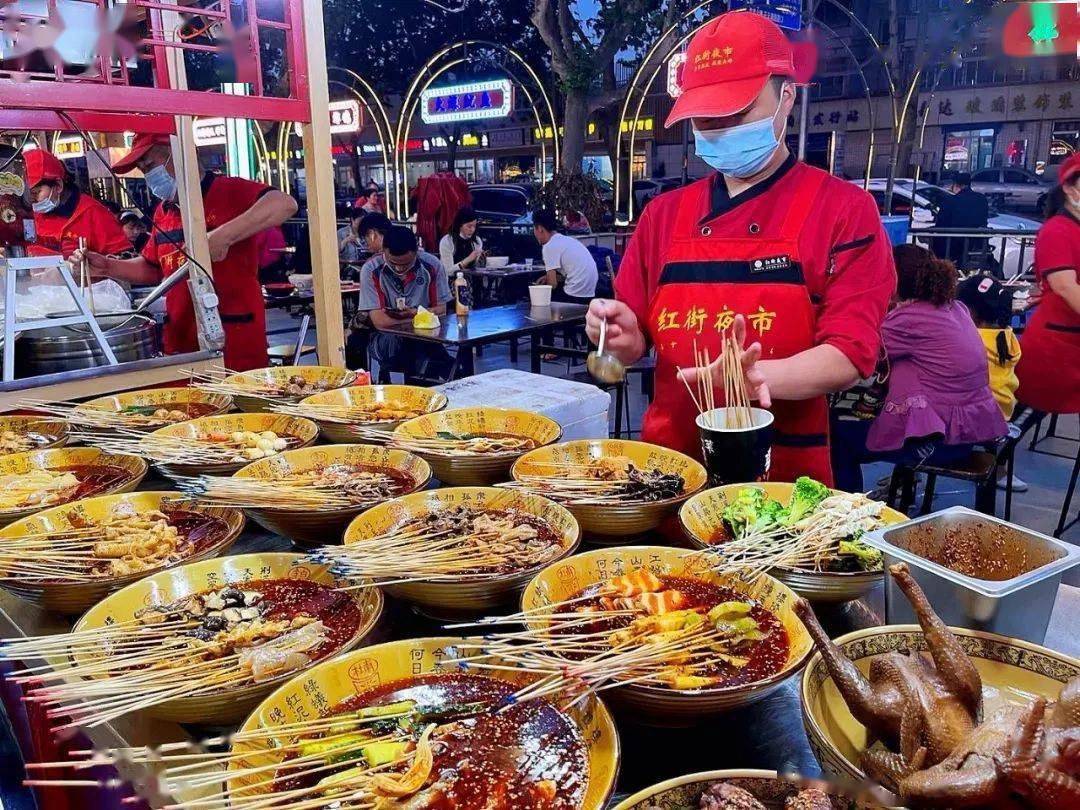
pixel 236 210
pixel 63 214
pixel 1049 369
pixel 782 253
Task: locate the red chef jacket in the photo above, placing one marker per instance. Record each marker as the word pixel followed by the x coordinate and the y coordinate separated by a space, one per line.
pixel 79 216
pixel 802 256
pixel 236 277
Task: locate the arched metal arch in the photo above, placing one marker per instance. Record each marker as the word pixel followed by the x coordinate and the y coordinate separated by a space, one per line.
pixel 411 99
pixel 371 102
pixel 416 103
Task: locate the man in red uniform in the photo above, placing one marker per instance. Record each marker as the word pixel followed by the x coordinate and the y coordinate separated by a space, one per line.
pixel 236 210
pixel 63 214
pixel 767 246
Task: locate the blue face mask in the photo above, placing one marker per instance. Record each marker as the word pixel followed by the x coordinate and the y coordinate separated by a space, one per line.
pixel 161 184
pixel 45 206
pixel 740 151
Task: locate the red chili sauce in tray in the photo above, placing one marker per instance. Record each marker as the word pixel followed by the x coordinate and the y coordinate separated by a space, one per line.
pixel 766 657
pixel 288 598
pixel 94 478
pixel 528 757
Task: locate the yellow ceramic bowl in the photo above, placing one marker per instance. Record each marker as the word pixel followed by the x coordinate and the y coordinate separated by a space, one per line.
pixel 303 432
pixel 682 792
pixel 47 432
pixel 179 398
pixel 617 521
pixel 20 463
pixel 72 598
pixel 702 519
pixel 340 679
pixel 279 375
pixel 1012 671
pixel 228 705
pixel 325 527
pixel 659 705
pixel 479 469
pixel 426 400
pixel 465 595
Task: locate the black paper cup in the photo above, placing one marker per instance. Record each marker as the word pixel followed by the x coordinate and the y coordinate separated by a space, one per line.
pixel 736 455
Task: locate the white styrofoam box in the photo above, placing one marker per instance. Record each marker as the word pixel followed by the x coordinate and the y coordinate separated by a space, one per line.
pixel 580 408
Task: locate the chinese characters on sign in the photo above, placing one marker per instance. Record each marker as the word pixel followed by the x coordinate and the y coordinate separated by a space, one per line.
pixel 467 102
pixel 696 320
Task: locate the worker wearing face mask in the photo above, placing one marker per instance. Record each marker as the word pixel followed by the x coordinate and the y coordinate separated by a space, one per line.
pixel 795 261
pixel 63 214
pixel 236 210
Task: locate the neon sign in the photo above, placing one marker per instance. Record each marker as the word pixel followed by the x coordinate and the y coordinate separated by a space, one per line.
pixel 467 102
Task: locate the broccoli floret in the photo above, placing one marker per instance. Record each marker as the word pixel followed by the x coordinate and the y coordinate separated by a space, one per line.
pixel 805 498
pixel 866 557
pixel 752 511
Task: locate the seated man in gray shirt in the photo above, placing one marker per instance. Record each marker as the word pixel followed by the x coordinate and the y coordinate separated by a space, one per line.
pixel 393 286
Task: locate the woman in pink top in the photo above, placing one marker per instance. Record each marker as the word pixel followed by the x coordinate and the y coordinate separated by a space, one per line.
pixel 939 404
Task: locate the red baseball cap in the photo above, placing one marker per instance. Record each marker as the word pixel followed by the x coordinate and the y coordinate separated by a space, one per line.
pixel 1069 169
pixel 42 165
pixel 142 144
pixel 730 60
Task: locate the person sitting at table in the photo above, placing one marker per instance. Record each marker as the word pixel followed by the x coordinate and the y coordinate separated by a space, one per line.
pixel 393 286
pixel 373 230
pixel 571 269
pixel 462 247
pixel 351 244
pixel 577 223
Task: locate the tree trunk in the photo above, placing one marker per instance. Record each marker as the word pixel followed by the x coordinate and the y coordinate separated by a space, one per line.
pixel 575 121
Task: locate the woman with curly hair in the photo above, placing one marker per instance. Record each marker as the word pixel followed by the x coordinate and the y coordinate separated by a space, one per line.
pixel 939 403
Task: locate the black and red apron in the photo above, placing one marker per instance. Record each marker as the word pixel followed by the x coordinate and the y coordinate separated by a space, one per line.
pixel 709 276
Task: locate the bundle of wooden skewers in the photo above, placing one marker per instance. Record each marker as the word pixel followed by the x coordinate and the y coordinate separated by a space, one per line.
pixel 446 445
pixel 80 415
pixel 119 668
pixel 573 661
pixel 297 492
pixel 261 760
pixel 417 554
pixel 580 484
pixel 175 450
pixel 344 414
pixel 737 407
pixel 65 555
pixel 806 545
pixel 215 380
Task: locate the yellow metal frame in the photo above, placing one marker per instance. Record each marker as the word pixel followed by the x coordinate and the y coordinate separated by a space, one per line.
pixel 412 98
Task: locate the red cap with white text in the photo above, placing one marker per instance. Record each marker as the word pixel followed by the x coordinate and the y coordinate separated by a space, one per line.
pixel 730 60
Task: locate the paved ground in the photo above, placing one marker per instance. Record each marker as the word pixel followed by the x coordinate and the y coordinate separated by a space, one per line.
pixel 1046 475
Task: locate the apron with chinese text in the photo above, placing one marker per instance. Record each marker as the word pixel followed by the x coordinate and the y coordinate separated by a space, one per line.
pixel 708 278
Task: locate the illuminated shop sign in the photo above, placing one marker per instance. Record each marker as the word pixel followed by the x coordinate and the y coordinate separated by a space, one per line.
pixel 209 131
pixel 69 148
pixel 467 102
pixel 345 116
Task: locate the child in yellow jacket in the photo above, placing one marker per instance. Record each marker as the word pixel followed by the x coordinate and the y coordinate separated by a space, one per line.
pixel 990 303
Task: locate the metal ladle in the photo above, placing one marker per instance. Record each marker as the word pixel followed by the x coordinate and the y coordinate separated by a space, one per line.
pixel 606 368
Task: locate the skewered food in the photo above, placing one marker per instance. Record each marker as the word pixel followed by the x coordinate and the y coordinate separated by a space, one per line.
pixel 222 638
pixel 608 479
pixel 51 486
pixel 104 416
pixel 447 443
pixel 125 542
pixel 248 445
pixel 251 384
pixel 459 541
pixel 817 530
pixel 428 742
pixel 14 441
pixel 925 715
pixel 207 447
pixel 675 632
pixel 727 796
pixel 354 414
pixel 335 486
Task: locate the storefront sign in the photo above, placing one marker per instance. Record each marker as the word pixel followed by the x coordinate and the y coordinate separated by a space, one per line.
pixel 785 13
pixel 345 116
pixel 69 148
pixel 467 102
pixel 506 137
pixel 674 74
pixel 209 131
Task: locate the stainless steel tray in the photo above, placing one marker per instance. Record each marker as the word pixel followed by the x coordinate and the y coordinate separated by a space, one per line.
pixel 1013 588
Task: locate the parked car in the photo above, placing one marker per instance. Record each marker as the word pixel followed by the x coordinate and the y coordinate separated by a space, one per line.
pixel 923 207
pixel 504 214
pixel 1015 188
pixel 646 190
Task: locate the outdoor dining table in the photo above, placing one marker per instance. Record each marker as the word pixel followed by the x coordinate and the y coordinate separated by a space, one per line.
pixel 488 283
pixel 493 325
